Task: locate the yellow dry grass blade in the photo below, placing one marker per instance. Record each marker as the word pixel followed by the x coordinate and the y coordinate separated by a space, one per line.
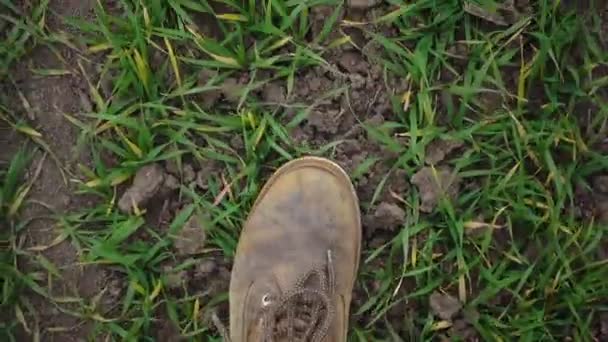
pixel 462 284
pixel 391 16
pixel 196 310
pixel 21 318
pixel 56 241
pixel 524 71
pixel 173 61
pixel 112 202
pixel 32 133
pixel 18 201
pixel 226 60
pixel 93 183
pixel 156 291
pixel 102 127
pixel 132 146
pixel 232 17
pixel 352 23
pixel 142 69
pixel 260 132
pixel 100 47
pixel 100 318
pixel 339 42
pixel 119 178
pixel 25 189
pixel 199 39
pixel 279 44
pixel 94 93
pixel 441 325
pixel 414 252
pixel 113 180
pixel 406 100
pixel 138 288
pixel 509 175
pixel 146 15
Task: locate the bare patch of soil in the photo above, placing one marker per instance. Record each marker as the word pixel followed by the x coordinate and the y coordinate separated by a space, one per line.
pixel 46 100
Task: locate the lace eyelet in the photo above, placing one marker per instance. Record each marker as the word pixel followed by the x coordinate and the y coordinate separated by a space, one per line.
pixel 267 300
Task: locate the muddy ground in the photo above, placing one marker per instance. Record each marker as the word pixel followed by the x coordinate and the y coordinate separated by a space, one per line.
pixel 341 117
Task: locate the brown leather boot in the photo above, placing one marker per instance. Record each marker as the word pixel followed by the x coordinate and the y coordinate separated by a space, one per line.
pixel 297 257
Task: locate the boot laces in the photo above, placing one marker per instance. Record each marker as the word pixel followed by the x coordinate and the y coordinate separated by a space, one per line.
pixel 304 313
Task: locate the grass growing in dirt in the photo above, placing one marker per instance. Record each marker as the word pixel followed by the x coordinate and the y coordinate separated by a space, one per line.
pixel 20 27
pixel 506 247
pixel 12 193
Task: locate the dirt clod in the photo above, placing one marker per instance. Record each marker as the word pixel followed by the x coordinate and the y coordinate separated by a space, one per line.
pixel 601 208
pixel 604 325
pixel 433 184
pixel 462 331
pixel 191 238
pixel 349 154
pixel 437 150
pixel 174 279
pixel 189 173
pixel 600 183
pixel 502 16
pixel 388 216
pixel 170 183
pixel 172 167
pixel 353 62
pixel 236 142
pixel 166 330
pixel 362 4
pixel 444 306
pixel 208 171
pixel 147 182
pixel 325 121
pixel 273 93
pixel 212 275
pixel 205 268
pixel 231 89
pixel 201 180
pixel 211 96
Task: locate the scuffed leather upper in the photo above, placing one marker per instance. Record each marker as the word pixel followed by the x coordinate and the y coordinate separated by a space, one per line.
pixel 307 208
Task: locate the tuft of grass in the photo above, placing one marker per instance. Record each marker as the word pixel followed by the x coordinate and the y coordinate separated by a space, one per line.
pixel 513 96
pixel 12 282
pixel 19 25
